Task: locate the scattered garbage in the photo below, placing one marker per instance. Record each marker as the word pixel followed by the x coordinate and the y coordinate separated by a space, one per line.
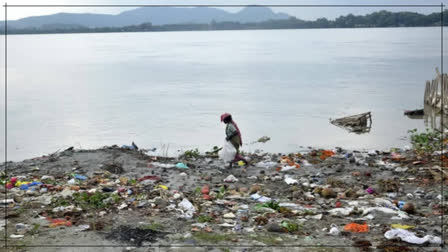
pixel 260 198
pixel 334 230
pixel 187 208
pixel 162 165
pixel 13 236
pixel 303 194
pixel 155 178
pixel 266 165
pixel 410 237
pixel 370 190
pixel 80 177
pixel 181 166
pixel 133 146
pixel 401 226
pixel 59 222
pixel 82 228
pixel 230 179
pixel 290 181
pixel 356 228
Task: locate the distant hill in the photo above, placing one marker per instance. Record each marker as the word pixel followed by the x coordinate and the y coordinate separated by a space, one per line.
pixel 153 15
pixel 375 19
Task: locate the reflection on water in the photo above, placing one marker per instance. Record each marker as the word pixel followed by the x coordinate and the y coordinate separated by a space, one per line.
pixel 432 118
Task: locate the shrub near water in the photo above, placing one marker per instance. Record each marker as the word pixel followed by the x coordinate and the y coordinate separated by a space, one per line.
pixel 426 141
pixel 191 154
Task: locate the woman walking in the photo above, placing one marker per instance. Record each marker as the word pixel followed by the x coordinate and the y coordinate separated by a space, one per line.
pixel 233 134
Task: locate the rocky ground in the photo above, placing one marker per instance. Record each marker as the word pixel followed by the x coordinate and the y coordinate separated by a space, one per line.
pixel 318 200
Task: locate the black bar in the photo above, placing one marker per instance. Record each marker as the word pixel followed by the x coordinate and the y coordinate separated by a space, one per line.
pixel 6 121
pixel 442 155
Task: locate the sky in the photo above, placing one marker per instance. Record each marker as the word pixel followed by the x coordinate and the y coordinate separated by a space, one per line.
pixel 302 13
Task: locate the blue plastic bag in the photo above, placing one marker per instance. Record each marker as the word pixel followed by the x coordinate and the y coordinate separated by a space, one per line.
pixel 181 166
pixel 80 177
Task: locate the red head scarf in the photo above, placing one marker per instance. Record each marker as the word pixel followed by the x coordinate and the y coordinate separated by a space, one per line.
pixel 225 115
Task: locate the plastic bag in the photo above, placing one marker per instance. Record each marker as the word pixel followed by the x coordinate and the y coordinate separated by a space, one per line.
pixel 228 152
pixel 187 208
pixel 410 237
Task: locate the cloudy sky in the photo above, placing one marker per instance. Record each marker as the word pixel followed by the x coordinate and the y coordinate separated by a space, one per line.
pixel 303 13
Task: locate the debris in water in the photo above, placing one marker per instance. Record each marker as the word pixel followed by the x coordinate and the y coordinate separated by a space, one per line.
pixel 264 139
pixel 359 124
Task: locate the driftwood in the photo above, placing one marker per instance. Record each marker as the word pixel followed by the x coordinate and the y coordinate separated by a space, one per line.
pixel 360 123
pixel 436 92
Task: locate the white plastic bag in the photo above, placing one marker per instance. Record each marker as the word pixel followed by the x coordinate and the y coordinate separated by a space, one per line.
pixel 410 237
pixel 187 208
pixel 228 152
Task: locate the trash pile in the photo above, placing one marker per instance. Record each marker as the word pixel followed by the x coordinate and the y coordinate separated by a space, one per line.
pixel 371 199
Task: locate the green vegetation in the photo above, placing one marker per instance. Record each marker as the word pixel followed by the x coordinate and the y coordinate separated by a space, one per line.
pixel 191 154
pixel 221 193
pixel 290 226
pixel 94 200
pixel 35 229
pixel 153 226
pixel 204 218
pixel 197 191
pixel 272 204
pixel 428 141
pixel 20 210
pixel 115 198
pixel 266 239
pixel 376 19
pixel 214 151
pixel 56 202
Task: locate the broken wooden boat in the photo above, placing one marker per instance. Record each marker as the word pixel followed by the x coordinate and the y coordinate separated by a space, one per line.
pixel 359 124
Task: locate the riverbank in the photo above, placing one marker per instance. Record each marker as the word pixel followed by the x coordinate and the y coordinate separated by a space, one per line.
pixel 122 197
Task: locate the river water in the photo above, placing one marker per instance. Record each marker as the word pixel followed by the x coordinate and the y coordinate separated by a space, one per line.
pixel 167 89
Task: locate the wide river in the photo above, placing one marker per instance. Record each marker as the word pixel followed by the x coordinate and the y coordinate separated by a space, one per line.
pixel 168 89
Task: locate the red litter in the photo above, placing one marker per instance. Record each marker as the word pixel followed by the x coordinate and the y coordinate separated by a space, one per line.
pixel 149 178
pixel 59 222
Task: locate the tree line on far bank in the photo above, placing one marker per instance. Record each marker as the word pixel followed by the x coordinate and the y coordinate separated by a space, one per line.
pixel 376 19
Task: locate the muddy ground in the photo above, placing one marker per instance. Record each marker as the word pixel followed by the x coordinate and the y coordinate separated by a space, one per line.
pixel 325 190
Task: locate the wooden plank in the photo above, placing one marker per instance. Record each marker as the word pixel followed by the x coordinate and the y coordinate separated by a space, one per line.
pixel 433 92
